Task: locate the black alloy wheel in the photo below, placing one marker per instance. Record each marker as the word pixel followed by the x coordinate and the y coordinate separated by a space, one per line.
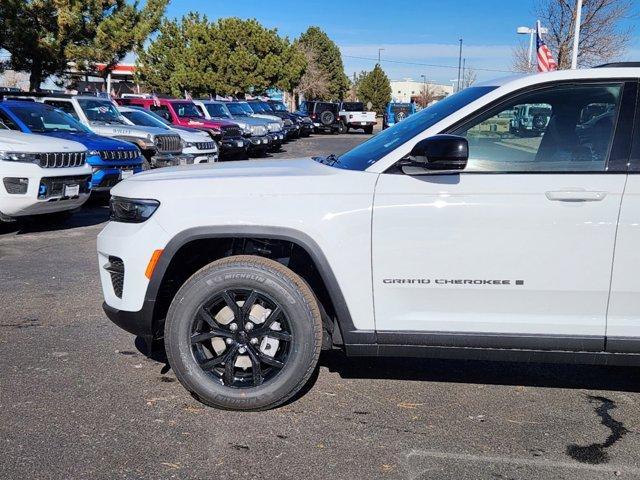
pixel 243 338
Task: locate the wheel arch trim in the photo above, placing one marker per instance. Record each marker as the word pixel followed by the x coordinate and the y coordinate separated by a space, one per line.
pixel 350 334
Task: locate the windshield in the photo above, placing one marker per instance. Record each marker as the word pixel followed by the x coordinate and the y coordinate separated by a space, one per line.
pixel 187 110
pixel 144 119
pixel 237 110
pixel 100 111
pixel 278 107
pixel 261 107
pixel 41 119
pixel 218 110
pixel 353 107
pixel 369 152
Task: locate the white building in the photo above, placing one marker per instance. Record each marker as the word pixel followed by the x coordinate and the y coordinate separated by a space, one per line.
pixel 406 89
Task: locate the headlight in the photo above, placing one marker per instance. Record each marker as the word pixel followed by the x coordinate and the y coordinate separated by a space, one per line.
pixel 306 119
pixel 146 143
pixel 25 157
pixel 187 144
pixel 131 210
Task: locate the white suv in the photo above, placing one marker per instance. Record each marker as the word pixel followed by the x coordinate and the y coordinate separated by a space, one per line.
pixel 447 235
pixel 41 175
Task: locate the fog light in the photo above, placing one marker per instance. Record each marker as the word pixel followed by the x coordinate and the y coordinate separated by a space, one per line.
pixel 15 185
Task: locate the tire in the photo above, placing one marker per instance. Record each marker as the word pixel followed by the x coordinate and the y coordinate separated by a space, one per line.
pixel 343 128
pixel 368 129
pixel 327 118
pixel 263 283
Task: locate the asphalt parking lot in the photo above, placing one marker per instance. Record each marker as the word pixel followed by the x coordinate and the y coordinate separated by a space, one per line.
pixel 79 401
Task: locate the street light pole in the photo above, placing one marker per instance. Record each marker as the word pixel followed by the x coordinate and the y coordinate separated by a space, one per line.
pixel 531 32
pixel 379 50
pixel 459 65
pixel 424 91
pixel 576 35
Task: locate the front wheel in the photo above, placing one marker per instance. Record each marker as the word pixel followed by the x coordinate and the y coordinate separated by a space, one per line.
pixel 244 333
pixel 343 128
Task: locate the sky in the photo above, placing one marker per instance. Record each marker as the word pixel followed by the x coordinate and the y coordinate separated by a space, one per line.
pixel 415 32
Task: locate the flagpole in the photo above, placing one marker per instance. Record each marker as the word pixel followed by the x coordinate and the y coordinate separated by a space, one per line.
pixel 576 35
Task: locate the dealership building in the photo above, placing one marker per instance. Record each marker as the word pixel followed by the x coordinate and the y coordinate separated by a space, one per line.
pixel 408 89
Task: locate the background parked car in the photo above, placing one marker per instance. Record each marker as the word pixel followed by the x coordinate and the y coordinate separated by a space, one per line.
pixel 184 113
pixel 159 147
pixel 530 120
pixel 195 142
pixel 396 112
pixel 354 115
pixel 261 108
pixel 325 115
pixel 255 129
pixel 303 121
pixel 111 160
pixel 41 175
pixel 242 111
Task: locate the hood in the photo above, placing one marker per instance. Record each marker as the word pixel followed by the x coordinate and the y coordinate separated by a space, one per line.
pixel 13 141
pixel 232 179
pixel 204 123
pixel 190 135
pixel 110 130
pixel 93 141
pixel 273 118
pixel 251 121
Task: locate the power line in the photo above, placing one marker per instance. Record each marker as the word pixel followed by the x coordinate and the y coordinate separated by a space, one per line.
pixel 430 64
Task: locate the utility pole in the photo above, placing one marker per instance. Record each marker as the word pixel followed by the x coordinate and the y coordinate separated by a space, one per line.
pixel 379 50
pixel 424 91
pixel 576 35
pixel 464 65
pixel 459 66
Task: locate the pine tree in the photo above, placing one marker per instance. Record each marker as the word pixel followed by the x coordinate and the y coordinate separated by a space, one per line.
pixel 375 87
pixel 42 36
pixel 329 60
pixel 228 57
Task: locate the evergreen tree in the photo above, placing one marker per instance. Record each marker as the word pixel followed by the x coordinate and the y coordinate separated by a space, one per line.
pixel 329 60
pixel 228 57
pixel 375 87
pixel 42 36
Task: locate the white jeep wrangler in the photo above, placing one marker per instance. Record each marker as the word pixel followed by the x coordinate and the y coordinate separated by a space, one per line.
pixel 41 175
pixel 446 235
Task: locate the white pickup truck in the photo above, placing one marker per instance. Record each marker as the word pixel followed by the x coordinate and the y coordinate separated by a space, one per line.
pixel 446 235
pixel 353 115
pixel 41 175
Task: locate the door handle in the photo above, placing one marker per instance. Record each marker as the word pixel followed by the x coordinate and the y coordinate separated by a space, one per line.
pixel 575 196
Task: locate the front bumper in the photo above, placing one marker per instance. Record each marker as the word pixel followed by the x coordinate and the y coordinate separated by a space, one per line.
pixel 202 156
pixel 47 191
pixel 104 178
pixel 160 161
pixel 234 144
pixel 259 143
pixel 136 323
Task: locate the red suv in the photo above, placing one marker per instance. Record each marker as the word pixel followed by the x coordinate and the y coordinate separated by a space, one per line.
pixel 184 113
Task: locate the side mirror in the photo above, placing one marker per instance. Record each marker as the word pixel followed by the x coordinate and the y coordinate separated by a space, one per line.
pixel 440 153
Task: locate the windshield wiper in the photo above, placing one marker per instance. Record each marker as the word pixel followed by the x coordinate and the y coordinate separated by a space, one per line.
pixel 329 160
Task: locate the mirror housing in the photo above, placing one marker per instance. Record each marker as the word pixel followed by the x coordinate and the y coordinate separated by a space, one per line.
pixel 440 153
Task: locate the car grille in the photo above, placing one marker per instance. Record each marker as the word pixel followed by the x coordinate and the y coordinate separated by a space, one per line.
pixel 115 267
pixel 54 186
pixel 168 143
pixel 231 132
pixel 61 159
pixel 118 154
pixel 288 122
pixel 274 127
pixel 206 145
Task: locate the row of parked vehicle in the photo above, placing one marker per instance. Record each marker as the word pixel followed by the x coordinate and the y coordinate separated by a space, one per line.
pixel 56 149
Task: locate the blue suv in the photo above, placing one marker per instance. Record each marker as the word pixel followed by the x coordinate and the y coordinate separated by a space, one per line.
pixel 396 112
pixel 112 160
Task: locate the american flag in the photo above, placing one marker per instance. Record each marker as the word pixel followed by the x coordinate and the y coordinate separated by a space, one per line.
pixel 546 63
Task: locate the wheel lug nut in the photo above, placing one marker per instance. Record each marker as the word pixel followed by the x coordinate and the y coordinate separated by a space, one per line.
pixel 248 326
pixel 254 341
pixel 233 327
pixel 229 341
pixel 242 350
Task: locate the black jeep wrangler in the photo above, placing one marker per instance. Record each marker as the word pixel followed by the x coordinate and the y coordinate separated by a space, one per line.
pixel 324 115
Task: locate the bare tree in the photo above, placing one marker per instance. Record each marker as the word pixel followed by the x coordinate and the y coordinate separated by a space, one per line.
pixel 13 79
pixel 427 95
pixel 602 38
pixel 315 82
pixel 470 77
